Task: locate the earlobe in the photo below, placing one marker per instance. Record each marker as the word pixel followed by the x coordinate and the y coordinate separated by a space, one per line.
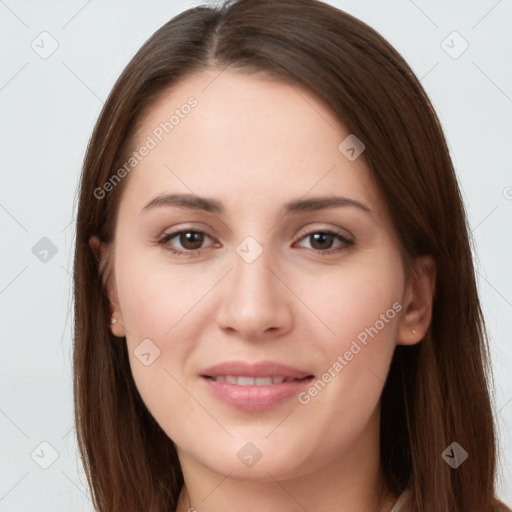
pixel 418 302
pixel 116 327
pixel 101 253
pixel 96 248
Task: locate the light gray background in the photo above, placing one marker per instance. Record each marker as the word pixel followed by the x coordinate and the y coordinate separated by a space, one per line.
pixel 48 109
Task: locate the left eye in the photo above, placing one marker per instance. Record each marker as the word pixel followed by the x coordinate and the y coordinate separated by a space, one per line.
pixel 192 241
pixel 321 241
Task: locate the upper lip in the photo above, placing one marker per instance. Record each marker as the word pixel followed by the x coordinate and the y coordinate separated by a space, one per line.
pixel 260 369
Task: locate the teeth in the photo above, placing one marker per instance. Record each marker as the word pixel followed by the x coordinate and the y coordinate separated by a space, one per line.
pixel 243 380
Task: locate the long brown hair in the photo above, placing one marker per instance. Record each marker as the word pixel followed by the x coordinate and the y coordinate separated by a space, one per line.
pixel 437 391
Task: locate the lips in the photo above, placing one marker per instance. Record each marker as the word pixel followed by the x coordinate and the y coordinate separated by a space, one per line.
pixel 254 387
pixel 255 370
pixel 245 380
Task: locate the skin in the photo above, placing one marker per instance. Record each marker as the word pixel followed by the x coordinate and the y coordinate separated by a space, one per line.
pixel 254 144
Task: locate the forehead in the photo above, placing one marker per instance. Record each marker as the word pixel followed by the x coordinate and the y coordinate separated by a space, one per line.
pixel 221 133
pixel 231 106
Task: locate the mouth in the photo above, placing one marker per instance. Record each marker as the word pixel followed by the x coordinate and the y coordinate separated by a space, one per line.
pixel 244 380
pixel 254 387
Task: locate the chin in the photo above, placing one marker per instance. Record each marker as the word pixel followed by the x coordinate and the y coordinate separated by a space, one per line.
pixel 263 461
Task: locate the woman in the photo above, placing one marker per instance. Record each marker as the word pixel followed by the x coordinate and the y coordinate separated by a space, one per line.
pixel 289 319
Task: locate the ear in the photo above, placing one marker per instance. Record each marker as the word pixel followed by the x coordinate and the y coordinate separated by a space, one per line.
pixel 104 257
pixel 418 300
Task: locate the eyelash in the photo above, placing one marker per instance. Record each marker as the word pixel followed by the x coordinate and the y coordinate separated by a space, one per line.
pixel 346 243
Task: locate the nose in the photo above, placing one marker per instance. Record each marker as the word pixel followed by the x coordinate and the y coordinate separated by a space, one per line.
pixel 255 304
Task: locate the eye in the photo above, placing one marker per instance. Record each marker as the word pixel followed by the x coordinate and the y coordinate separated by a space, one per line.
pixel 322 241
pixel 189 240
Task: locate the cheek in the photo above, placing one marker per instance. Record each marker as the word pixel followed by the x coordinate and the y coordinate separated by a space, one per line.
pixel 161 303
pixel 159 341
pixel 361 315
pixel 155 297
pixel 352 300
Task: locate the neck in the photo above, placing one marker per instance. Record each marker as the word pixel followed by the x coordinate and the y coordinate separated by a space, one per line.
pixel 285 497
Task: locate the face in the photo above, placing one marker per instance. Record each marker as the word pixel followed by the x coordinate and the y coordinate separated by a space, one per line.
pixel 256 280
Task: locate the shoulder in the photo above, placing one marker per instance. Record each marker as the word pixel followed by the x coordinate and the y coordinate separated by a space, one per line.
pixel 502 507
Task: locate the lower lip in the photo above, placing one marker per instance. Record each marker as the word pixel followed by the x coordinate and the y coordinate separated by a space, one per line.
pixel 255 398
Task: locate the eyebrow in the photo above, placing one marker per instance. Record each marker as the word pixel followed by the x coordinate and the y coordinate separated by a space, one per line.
pixel 209 205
